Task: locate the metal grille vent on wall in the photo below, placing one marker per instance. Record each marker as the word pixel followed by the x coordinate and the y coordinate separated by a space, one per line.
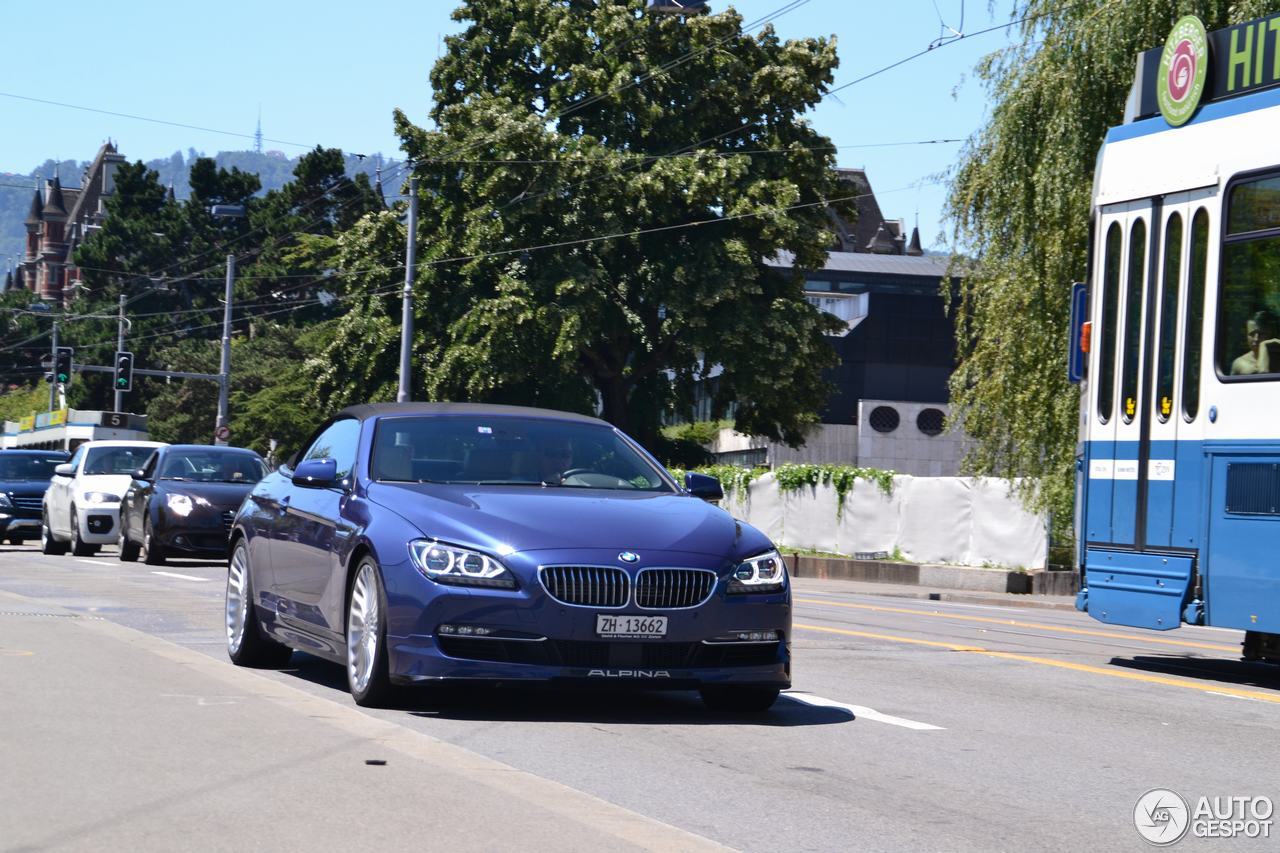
pixel 930 421
pixel 884 419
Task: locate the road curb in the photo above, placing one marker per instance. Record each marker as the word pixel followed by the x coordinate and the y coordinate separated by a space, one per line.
pixel 943 583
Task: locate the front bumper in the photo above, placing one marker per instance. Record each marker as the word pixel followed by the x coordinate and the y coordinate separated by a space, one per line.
pixel 535 637
pixel 206 532
pixel 18 523
pixel 99 523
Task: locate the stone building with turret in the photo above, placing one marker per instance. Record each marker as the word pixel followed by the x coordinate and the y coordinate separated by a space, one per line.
pixel 59 220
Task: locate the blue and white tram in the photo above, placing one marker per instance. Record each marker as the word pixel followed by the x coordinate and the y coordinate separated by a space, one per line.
pixel 1178 498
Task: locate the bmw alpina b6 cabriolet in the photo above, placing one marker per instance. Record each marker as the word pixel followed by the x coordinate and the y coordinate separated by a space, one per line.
pixel 416 543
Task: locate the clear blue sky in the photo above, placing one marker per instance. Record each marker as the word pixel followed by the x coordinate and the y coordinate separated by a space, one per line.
pixel 331 73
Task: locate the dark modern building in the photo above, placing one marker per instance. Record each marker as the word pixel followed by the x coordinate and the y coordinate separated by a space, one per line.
pixel 897 350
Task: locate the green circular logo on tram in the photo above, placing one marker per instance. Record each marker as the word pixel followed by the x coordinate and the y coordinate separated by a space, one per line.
pixel 1183 66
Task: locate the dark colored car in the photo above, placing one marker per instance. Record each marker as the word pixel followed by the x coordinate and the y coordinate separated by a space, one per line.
pixel 24 477
pixel 420 542
pixel 182 501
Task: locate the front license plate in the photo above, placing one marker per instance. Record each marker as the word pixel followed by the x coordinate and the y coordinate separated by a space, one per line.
pixel 631 627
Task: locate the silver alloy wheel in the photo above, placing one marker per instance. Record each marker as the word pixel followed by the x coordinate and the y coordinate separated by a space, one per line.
pixel 362 628
pixel 237 598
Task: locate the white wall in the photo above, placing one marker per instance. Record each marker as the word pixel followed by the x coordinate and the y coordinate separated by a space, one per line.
pixel 959 520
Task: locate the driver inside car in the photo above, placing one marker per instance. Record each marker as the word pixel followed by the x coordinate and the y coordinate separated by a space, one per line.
pixel 554 457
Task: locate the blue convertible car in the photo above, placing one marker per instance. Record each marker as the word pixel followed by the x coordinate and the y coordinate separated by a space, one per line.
pixel 421 542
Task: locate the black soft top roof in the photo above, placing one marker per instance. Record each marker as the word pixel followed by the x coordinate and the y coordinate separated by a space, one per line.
pixel 365 411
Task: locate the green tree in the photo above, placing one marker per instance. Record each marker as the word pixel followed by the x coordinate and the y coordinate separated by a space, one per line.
pixel 632 321
pixel 1020 202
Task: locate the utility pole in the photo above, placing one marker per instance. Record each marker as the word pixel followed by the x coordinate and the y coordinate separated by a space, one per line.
pixel 406 319
pixel 53 368
pixel 119 403
pixel 224 369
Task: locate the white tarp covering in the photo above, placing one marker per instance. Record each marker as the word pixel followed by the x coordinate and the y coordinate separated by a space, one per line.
pixel 959 520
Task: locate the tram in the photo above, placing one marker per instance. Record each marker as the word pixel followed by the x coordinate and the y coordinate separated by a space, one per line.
pixel 1178 463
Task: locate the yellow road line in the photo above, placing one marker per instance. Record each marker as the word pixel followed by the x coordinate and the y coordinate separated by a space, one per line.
pixel 1062 629
pixel 1077 667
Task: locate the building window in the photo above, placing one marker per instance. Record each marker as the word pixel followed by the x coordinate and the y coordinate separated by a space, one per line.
pixel 930 421
pixel 884 419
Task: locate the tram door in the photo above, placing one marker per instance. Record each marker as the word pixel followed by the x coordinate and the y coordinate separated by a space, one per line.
pixel 1170 481
pixel 1123 268
pixel 1142 393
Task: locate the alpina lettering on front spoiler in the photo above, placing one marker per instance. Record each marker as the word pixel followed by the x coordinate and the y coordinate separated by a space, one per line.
pixel 628 673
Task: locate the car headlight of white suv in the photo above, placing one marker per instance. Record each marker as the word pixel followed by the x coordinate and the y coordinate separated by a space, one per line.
pixel 100 498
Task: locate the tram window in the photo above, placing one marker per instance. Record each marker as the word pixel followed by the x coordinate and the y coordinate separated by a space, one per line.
pixel 1168 316
pixel 1254 206
pixel 1194 331
pixel 1248 340
pixel 1110 305
pixel 1134 282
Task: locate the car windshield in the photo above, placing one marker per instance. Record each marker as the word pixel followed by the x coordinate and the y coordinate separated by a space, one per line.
pixel 212 466
pixel 28 467
pixel 503 450
pixel 116 460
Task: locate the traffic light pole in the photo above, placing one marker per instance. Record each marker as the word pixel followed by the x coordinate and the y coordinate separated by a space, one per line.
pixel 119 403
pixel 53 366
pixel 224 369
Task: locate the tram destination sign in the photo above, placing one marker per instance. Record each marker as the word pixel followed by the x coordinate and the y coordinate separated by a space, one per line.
pixel 1242 59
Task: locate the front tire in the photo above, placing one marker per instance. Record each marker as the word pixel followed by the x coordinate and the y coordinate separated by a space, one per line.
pixel 154 553
pixel 246 644
pixel 49 544
pixel 367 638
pixel 739 699
pixel 129 549
pixel 79 547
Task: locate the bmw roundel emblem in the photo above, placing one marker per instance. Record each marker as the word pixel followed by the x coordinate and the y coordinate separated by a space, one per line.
pixel 629 557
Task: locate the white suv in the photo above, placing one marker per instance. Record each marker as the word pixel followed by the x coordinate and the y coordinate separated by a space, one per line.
pixel 82 505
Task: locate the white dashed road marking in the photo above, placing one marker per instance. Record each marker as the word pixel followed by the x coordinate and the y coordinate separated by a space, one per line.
pixel 94 562
pixel 179 577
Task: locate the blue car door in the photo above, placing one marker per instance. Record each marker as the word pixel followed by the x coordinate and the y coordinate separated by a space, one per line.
pixel 311 538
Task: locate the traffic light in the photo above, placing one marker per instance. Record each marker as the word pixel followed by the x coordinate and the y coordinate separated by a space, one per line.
pixel 62 365
pixel 124 371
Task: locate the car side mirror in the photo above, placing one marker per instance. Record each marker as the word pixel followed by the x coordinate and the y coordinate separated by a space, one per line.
pixel 704 486
pixel 141 474
pixel 64 470
pixel 315 473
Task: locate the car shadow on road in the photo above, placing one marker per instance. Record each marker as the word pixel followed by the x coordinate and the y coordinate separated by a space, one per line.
pixel 568 704
pixel 1225 670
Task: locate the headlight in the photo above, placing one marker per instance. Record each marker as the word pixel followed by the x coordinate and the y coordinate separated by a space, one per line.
pixel 101 498
pixel 764 573
pixel 179 505
pixel 4 500
pixel 452 565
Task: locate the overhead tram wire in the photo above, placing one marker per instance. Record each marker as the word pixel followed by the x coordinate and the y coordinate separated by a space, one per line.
pixel 394 289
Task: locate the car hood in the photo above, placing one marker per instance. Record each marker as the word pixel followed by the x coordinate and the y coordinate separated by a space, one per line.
pixel 112 484
pixel 536 519
pixel 222 496
pixel 23 488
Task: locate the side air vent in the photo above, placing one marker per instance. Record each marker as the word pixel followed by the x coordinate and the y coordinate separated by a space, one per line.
pixel 1253 488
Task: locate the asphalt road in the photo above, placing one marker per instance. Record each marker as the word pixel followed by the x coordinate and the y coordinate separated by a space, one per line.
pixel 913 726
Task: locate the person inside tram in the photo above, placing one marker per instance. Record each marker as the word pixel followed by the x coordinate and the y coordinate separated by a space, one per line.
pixel 1260 332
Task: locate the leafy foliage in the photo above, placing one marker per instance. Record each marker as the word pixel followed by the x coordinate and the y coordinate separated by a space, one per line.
pixel 524 156
pixel 794 476
pixel 21 401
pixel 1020 204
